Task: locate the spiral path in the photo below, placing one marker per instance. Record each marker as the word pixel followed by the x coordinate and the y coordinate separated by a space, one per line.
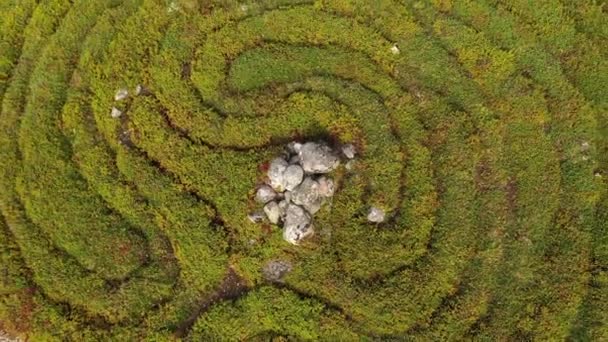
pixel 481 128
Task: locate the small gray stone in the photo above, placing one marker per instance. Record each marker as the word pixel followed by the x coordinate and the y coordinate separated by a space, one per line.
pixel 395 49
pixel 116 113
pixel 317 158
pixel 298 224
pixel 293 176
pixel 275 174
pixel 349 151
pixel 294 147
pixel 326 186
pixel 273 212
pixel 375 215
pixel 585 146
pixel 265 194
pixel 139 89
pixel 275 270
pixel 121 94
pixel 256 216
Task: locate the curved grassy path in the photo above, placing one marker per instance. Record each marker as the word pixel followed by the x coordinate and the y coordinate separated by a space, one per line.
pixel 480 128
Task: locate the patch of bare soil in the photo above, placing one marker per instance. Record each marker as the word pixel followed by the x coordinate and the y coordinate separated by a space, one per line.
pixel 232 287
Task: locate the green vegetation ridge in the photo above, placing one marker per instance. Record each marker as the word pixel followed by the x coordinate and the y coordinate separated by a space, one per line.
pixel 481 127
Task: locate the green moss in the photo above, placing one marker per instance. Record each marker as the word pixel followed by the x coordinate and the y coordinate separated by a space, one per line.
pixel 482 136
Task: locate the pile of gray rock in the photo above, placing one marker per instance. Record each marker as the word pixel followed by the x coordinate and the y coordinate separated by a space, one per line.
pixel 297 186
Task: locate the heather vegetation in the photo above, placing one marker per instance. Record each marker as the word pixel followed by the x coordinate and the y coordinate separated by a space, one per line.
pixel 481 129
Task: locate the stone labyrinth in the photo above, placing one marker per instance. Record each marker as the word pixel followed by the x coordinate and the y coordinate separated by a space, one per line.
pixel 133 136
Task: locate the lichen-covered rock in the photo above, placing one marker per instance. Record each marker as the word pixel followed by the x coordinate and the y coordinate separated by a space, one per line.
pixel 276 171
pixel 265 194
pixel 317 158
pixel 307 195
pixel 293 176
pixel 298 224
pixel 376 215
pixel 275 270
pixel 272 211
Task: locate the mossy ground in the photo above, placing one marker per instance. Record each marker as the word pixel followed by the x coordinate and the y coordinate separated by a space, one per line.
pixel 485 137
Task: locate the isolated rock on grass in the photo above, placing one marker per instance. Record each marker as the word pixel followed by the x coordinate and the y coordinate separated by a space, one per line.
pixel 121 94
pixel 275 270
pixel 395 49
pixel 141 90
pixel 317 158
pixel 115 113
pixel 349 151
pixel 298 224
pixel 376 215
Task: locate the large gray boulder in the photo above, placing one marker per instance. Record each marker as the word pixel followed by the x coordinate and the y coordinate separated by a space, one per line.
pixel 307 195
pixel 293 176
pixel 317 158
pixel 298 224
